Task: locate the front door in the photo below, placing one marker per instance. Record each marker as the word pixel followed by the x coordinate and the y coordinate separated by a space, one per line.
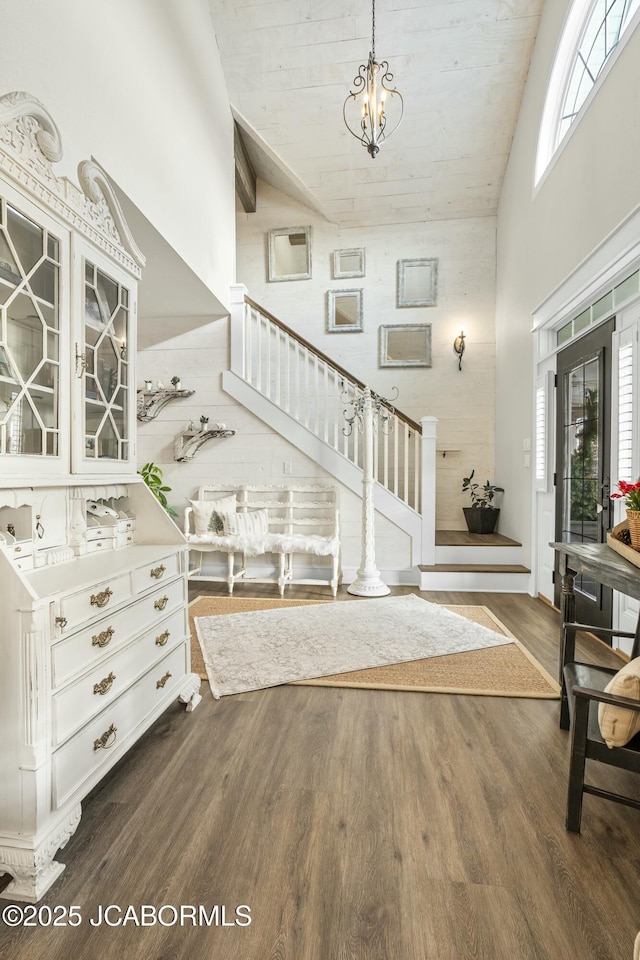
pixel 583 507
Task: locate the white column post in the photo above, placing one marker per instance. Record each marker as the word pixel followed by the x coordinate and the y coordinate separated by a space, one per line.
pixel 237 329
pixel 428 492
pixel 368 582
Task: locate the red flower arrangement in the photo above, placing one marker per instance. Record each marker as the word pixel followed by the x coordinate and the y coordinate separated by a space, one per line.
pixel 630 492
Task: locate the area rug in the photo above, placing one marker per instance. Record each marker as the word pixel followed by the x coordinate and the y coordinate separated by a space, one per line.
pixel 249 651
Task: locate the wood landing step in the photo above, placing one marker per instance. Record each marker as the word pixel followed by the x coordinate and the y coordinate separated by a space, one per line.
pixel 488 576
pixel 462 538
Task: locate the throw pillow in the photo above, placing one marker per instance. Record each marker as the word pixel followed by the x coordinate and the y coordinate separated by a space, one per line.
pixel 618 725
pixel 206 514
pixel 253 523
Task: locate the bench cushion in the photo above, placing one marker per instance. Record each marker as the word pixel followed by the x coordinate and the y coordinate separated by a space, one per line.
pixel 304 543
pixel 618 725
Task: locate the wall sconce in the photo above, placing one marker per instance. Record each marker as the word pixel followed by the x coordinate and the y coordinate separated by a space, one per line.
pixel 458 348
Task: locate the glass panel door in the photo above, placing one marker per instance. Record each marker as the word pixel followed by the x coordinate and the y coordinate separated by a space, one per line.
pixel 105 368
pixel 583 507
pixel 29 337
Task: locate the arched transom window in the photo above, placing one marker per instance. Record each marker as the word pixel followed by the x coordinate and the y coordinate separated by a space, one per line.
pixel 591 34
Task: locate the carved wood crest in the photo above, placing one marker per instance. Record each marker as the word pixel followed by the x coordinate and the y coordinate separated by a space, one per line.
pixel 30 143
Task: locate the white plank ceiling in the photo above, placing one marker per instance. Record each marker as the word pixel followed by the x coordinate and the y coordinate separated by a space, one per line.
pixel 460 65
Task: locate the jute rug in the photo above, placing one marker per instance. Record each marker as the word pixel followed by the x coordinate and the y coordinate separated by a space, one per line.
pixel 506 669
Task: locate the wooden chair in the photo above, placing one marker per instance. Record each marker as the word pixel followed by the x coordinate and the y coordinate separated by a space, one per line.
pixel 582 690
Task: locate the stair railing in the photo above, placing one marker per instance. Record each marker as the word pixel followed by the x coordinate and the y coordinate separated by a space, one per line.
pixel 322 396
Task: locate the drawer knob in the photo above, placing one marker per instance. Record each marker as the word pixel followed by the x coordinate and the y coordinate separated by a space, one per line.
pixel 161 603
pixel 102 743
pixel 161 682
pixel 104 685
pixel 102 639
pixel 101 599
pixel 157 572
pixel 61 622
pixel 162 639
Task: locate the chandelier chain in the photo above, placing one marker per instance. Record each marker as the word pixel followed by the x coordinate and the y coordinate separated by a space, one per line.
pixel 373 29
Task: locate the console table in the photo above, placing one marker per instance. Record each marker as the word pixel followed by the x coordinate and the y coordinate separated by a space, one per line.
pixel 606 567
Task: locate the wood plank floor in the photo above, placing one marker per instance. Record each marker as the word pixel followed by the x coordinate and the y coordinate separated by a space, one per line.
pixel 356 825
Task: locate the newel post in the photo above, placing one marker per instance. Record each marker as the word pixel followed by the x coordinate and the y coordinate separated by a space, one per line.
pixel 237 328
pixel 428 492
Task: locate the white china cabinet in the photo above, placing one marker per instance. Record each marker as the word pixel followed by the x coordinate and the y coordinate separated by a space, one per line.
pixel 94 629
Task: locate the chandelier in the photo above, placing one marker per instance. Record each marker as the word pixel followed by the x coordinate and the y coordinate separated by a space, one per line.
pixel 367 102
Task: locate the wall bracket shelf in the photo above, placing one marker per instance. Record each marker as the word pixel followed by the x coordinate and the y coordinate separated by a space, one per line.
pixel 151 402
pixel 188 443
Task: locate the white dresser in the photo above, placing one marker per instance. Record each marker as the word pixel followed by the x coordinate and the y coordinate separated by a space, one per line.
pixel 93 572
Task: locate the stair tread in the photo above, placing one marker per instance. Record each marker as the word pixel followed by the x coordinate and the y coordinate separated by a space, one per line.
pixel 475 568
pixel 462 538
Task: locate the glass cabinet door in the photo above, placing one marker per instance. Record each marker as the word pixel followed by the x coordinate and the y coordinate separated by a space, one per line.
pixel 30 352
pixel 104 367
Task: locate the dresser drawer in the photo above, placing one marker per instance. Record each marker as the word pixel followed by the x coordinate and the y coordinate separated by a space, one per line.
pixel 94 746
pixel 149 576
pixel 76 654
pixel 78 702
pixel 88 604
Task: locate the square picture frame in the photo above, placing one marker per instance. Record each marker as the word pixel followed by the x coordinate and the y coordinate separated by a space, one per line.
pixel 348 264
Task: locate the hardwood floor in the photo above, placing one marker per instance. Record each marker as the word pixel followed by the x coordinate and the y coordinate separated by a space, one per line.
pixel 356 825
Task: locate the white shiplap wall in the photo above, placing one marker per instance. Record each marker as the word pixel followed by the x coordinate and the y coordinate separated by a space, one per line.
pixel 197 351
pixel 464 403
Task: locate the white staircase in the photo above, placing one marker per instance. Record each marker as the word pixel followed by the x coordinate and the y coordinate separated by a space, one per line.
pixel 302 394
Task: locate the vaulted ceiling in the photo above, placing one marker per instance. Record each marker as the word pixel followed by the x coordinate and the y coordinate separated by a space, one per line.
pixel 460 65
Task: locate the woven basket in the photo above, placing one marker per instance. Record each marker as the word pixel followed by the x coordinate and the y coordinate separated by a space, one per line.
pixel 633 520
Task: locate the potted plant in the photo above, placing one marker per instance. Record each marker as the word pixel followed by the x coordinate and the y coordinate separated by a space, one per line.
pixel 152 476
pixel 481 516
pixel 630 493
pixel 176 383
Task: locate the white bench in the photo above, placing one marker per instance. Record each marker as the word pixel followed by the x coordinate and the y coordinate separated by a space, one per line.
pixel 301 520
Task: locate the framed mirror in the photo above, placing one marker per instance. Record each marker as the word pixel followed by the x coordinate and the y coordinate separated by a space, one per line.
pixel 417 283
pixel 405 345
pixel 348 263
pixel 344 311
pixel 290 253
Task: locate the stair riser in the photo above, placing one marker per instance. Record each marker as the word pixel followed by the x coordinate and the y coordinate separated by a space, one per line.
pixel 478 555
pixel 468 581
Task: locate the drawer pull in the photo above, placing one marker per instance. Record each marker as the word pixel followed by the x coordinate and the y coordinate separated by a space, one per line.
pixel 161 682
pixel 157 572
pixel 61 622
pixel 161 603
pixel 102 639
pixel 102 743
pixel 101 599
pixel 104 685
pixel 162 639
pixel 18 549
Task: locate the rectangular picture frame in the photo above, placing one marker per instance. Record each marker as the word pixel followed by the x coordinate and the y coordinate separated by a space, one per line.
pixel 405 345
